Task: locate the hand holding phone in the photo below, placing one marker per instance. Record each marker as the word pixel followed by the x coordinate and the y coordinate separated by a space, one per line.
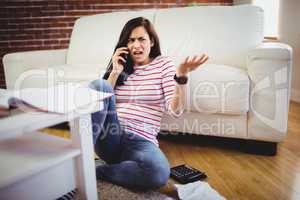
pixel 119 59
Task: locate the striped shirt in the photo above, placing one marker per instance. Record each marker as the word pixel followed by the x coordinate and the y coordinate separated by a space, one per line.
pixel 145 96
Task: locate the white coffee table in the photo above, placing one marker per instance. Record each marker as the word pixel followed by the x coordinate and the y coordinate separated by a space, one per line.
pixel 36 165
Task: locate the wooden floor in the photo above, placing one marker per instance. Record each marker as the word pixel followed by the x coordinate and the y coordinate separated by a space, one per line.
pixel 235 174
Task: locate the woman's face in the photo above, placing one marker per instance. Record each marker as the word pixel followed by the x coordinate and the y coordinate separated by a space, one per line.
pixel 139 46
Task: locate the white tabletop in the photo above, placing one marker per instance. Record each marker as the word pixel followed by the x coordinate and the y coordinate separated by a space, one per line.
pixel 19 122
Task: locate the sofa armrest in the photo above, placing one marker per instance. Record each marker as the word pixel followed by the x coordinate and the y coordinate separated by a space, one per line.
pixel 269 69
pixel 17 63
pixel 271 50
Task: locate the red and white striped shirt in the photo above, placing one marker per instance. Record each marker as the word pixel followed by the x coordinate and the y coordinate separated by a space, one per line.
pixel 145 96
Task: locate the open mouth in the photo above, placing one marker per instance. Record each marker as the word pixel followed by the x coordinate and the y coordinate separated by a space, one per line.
pixel 137 53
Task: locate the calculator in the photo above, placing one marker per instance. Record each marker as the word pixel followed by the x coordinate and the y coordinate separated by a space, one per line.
pixel 186 174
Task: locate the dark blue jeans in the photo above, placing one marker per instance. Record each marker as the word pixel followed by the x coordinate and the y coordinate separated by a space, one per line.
pixel 132 161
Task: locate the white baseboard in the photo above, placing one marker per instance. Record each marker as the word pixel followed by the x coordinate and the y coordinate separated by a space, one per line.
pixel 295 95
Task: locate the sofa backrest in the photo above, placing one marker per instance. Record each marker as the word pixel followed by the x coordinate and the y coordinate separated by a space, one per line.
pixel 226 33
pixel 94 37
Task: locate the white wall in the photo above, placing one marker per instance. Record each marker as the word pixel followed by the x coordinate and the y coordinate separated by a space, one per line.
pixel 289 32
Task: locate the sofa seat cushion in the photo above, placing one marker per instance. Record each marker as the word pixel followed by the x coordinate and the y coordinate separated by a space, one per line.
pixel 77 72
pixel 218 89
pixel 60 74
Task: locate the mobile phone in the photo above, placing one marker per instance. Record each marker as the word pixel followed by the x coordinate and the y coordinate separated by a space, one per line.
pixel 124 55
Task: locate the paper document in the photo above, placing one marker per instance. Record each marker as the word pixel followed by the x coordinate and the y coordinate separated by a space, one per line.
pixel 198 190
pixel 62 98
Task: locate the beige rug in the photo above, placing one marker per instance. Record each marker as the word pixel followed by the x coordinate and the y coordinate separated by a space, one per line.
pixel 109 191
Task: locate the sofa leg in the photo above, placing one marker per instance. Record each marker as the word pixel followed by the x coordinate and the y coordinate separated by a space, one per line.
pixel 260 147
pixel 62 126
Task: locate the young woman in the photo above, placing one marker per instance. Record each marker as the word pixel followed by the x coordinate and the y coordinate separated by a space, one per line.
pixel 146 84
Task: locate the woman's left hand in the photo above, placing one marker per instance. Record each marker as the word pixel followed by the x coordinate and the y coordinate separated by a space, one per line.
pixel 190 64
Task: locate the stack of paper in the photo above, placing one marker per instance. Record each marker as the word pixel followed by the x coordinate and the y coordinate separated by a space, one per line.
pixel 196 191
pixel 59 99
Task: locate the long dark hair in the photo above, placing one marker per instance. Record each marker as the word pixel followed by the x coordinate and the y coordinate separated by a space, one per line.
pixel 123 40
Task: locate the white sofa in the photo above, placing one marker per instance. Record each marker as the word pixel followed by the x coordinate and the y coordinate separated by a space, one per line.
pixel 242 92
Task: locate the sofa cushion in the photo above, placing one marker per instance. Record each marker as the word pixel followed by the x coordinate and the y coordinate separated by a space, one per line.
pixel 95 37
pixel 77 72
pixel 218 89
pixel 234 126
pixel 225 33
pixel 59 74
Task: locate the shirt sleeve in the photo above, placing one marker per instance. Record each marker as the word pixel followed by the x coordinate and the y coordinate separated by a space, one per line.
pixel 168 71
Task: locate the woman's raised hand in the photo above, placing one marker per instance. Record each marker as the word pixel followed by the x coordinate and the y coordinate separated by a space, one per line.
pixel 118 61
pixel 190 64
